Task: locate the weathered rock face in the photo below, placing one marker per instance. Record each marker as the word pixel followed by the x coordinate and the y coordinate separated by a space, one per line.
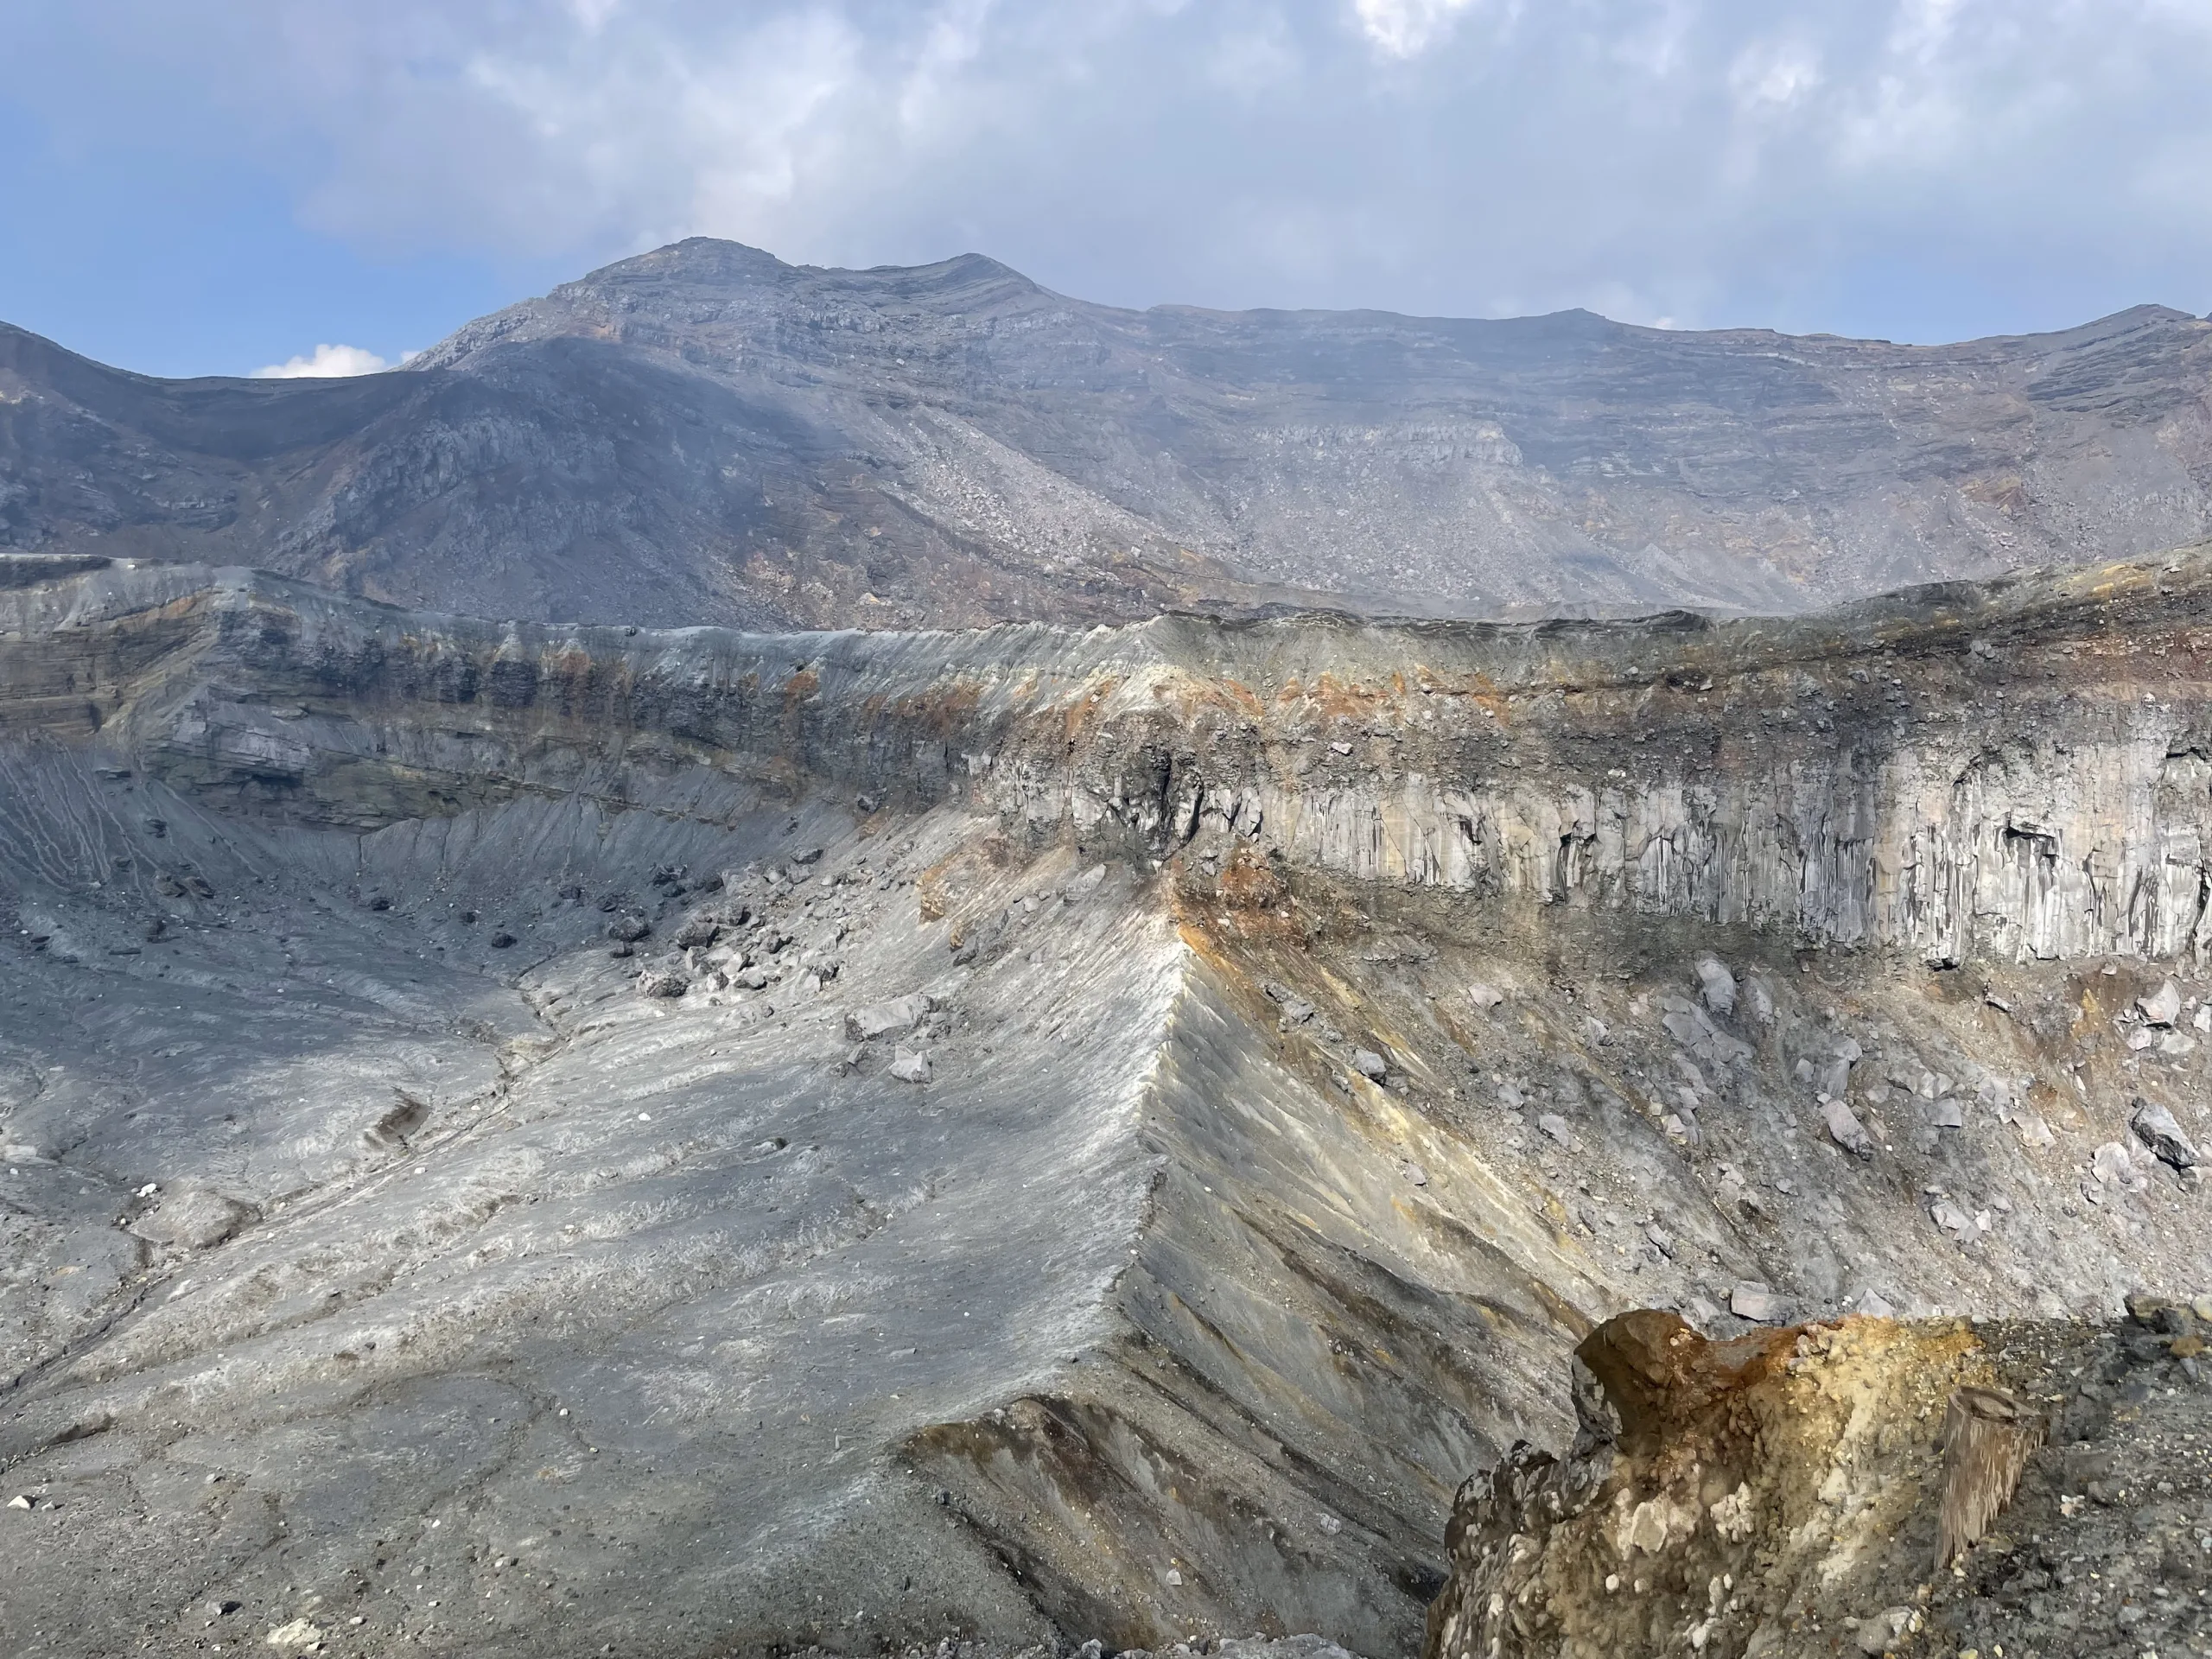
pixel 1715 1491
pixel 1788 1492
pixel 2023 772
pixel 706 434
pixel 1088 1135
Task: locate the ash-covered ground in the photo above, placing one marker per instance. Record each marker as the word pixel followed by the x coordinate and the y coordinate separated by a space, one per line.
pixel 695 1143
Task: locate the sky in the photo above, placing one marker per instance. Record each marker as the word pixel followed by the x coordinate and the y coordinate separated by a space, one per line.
pixel 223 187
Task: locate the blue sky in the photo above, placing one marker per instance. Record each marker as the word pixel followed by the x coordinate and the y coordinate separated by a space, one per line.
pixel 188 187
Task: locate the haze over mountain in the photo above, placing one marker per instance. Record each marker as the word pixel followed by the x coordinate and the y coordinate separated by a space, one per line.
pixel 704 434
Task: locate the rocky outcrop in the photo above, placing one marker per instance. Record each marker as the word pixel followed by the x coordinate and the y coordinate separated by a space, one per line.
pixel 2020 772
pixel 1802 1491
pixel 1713 1490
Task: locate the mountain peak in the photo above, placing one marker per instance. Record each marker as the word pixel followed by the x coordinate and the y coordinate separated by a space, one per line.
pixel 705 261
pixel 702 260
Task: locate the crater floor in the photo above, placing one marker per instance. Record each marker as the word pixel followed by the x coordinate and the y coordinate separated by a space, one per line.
pixel 559 1142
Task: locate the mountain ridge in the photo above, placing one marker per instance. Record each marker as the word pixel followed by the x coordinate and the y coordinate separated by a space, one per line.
pixel 706 433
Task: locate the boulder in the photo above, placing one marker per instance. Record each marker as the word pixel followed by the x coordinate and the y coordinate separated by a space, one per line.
pixel 628 930
pixel 1754 1301
pixel 910 1065
pixel 194 1217
pixel 2112 1165
pixel 902 1013
pixel 1691 1027
pixel 2163 1006
pixel 2002 1098
pixel 1953 1222
pixel 2155 1127
pixel 1716 985
pixel 1845 1128
pixel 664 982
pixel 298 1636
pixel 1484 997
pixel 1886 1630
pixel 1369 1065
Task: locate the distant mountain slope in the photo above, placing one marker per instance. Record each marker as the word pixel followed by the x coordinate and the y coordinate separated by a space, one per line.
pixel 704 434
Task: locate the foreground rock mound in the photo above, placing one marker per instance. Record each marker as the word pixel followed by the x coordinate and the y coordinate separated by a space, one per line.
pixel 1804 1490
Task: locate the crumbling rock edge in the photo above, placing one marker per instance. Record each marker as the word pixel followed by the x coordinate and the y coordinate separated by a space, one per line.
pixel 1266 1143
pixel 1796 1491
pixel 2020 770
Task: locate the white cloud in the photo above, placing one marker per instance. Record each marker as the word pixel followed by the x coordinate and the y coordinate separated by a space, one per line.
pixel 1901 166
pixel 327 363
pixel 1404 28
pixel 1774 75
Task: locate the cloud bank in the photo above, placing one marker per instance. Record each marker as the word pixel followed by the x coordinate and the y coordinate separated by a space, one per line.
pixel 326 363
pixel 1909 168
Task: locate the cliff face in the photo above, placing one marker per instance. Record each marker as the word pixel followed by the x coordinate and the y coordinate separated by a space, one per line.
pixel 865 1137
pixel 2016 772
pixel 704 435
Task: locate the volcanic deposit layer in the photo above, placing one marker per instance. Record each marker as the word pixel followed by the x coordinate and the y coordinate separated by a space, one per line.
pixel 534 1138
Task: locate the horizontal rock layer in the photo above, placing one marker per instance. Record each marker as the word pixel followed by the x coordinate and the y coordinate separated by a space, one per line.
pixel 459 1172
pixel 2022 770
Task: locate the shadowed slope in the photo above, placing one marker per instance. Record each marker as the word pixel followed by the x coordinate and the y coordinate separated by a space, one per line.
pixel 703 433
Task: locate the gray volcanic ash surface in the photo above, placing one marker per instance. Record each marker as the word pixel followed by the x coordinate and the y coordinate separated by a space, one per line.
pixel 522 1140
pixel 705 435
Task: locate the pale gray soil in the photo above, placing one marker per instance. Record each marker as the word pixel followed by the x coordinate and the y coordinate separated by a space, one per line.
pixel 1319 1037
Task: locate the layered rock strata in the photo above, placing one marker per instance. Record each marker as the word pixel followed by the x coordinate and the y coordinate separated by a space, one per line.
pixel 867 1139
pixel 2020 771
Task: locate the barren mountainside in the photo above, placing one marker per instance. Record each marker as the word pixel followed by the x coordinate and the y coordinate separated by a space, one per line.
pixel 705 435
pixel 533 1139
